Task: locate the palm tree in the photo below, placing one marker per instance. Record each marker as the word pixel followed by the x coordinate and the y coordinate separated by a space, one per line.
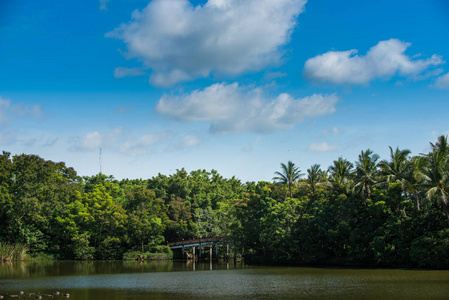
pixel 436 174
pixel 366 172
pixel 341 172
pixel 288 175
pixel 398 168
pixel 416 178
pixel 316 176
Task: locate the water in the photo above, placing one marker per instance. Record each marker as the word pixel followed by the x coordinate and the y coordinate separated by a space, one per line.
pixel 185 280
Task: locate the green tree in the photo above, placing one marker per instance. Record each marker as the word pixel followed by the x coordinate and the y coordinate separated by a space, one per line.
pixel 366 173
pixel 436 174
pixel 341 173
pixel 147 217
pixel 398 168
pixel 289 175
pixel 316 177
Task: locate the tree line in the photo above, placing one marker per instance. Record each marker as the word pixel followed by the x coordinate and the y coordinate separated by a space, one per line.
pixel 372 212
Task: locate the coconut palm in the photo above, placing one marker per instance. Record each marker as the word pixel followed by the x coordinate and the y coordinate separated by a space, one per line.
pixel 366 172
pixel 398 168
pixel 316 176
pixel 341 172
pixel 416 178
pixel 436 174
pixel 288 175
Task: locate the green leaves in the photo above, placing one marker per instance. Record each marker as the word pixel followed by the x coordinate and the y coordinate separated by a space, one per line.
pixel 289 175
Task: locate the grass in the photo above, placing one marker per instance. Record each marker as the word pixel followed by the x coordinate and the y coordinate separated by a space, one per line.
pixel 12 252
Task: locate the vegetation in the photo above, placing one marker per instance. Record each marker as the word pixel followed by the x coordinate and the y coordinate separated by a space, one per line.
pixel 372 212
pixel 10 252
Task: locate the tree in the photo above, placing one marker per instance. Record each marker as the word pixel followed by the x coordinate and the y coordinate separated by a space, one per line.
pixel 398 168
pixel 366 172
pixel 416 178
pixel 288 175
pixel 341 172
pixel 436 174
pixel 316 176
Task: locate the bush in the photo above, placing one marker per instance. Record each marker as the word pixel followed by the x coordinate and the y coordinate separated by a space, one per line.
pixel 14 252
pixel 431 250
pixel 164 254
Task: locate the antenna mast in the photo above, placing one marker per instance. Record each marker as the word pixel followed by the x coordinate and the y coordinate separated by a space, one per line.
pixel 99 159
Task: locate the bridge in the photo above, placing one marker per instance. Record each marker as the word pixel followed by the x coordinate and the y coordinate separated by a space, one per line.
pixel 203 242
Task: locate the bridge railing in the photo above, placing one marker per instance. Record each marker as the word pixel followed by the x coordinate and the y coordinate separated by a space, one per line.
pixel 201 240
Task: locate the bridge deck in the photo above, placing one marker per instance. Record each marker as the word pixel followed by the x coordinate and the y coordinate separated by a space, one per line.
pixel 198 242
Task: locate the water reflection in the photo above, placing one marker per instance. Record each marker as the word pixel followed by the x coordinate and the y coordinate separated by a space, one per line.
pixel 224 279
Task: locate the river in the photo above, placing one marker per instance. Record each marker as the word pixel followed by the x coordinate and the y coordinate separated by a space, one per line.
pixel 115 280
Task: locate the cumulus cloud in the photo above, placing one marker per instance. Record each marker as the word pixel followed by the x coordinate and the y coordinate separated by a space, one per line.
pixel 233 109
pixel 384 60
pixel 121 72
pixel 117 140
pixel 181 42
pixel 91 140
pixel 322 147
pixel 443 82
pixel 95 139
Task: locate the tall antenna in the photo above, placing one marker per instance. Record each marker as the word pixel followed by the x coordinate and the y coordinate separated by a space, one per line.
pixel 99 159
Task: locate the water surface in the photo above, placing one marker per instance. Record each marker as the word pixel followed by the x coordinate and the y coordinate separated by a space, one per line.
pixel 185 280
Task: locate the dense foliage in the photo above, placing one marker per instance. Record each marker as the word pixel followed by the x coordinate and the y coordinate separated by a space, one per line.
pixel 372 212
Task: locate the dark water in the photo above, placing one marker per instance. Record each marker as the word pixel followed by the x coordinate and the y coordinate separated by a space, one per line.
pixel 181 280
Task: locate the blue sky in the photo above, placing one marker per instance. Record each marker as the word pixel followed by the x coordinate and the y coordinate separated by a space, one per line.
pixel 236 86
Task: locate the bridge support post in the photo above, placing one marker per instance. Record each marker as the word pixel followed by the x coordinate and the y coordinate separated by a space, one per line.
pixel 199 252
pixel 210 252
pixel 194 255
pixel 183 253
pixel 227 251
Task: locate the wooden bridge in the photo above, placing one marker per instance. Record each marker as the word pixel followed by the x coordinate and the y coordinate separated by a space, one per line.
pixel 203 242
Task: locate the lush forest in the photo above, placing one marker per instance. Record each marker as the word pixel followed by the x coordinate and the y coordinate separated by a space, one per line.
pixel 372 212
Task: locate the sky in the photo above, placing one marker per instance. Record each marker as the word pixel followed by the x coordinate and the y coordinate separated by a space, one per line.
pixel 231 85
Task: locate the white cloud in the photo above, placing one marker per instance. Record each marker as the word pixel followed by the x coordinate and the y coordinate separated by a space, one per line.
pixel 121 72
pixel 4 104
pixel 103 4
pixel 190 140
pixel 233 109
pixel 443 82
pixel 117 140
pixel 180 42
pixel 22 110
pixel 322 147
pixel 141 145
pixel 384 60
pixel 90 141
pixel 19 110
pixel 95 139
